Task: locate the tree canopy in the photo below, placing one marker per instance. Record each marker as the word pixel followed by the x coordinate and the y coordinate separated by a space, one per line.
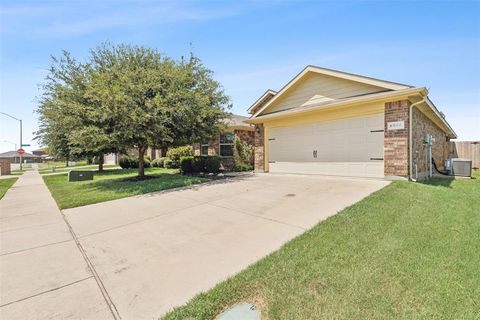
pixel 127 97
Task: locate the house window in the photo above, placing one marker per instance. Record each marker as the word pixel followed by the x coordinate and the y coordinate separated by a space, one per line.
pixel 226 144
pixel 204 149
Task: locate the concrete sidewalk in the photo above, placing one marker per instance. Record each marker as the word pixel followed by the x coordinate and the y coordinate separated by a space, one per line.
pixel 41 266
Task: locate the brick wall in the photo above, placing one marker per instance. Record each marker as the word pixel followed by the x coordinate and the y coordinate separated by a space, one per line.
pixel 396 141
pixel 422 125
pixel 245 136
pixel 259 148
pixel 5 167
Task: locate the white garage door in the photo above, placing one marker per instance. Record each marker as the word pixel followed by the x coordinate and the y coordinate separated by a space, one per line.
pixel 350 147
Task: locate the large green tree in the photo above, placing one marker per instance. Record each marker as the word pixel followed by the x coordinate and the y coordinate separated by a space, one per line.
pixel 127 97
pixel 156 101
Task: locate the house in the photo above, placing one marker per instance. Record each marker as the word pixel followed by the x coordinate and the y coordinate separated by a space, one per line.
pixel 39 152
pixel 335 123
pixel 14 157
pixel 222 145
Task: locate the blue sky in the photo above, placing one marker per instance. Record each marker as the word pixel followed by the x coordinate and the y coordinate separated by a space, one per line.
pixel 254 45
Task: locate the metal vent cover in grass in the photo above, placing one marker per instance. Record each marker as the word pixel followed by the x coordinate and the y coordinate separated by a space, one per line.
pixel 243 311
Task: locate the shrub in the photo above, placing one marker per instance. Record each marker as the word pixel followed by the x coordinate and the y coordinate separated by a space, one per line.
pixel 168 163
pixel 243 155
pixel 198 164
pixel 146 162
pixel 212 164
pixel 186 164
pixel 175 153
pixel 158 163
pixel 128 162
pixel 243 152
pixel 242 167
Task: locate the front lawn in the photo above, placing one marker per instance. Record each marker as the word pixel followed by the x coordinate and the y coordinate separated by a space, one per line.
pixel 49 170
pixel 5 184
pixel 408 251
pixel 113 184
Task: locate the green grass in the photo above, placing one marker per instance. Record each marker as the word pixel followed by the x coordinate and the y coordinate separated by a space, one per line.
pixel 113 184
pixel 408 251
pixel 17 172
pixel 76 167
pixel 5 184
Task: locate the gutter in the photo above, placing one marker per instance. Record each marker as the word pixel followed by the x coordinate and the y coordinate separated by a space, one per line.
pixel 410 144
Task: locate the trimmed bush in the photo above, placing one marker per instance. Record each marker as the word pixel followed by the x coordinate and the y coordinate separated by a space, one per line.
pixel 175 153
pixel 146 162
pixel 212 164
pixel 198 164
pixel 186 164
pixel 128 162
pixel 168 163
pixel 158 163
pixel 242 167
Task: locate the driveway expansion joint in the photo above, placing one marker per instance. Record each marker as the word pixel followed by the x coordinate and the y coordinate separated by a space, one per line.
pixel 37 247
pixel 46 291
pixel 103 290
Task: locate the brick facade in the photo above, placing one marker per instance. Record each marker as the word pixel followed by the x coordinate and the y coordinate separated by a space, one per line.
pixel 259 143
pixel 422 125
pixel 5 167
pixel 246 136
pixel 396 141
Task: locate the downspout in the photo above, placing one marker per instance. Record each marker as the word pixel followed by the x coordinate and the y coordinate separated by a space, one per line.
pixel 410 142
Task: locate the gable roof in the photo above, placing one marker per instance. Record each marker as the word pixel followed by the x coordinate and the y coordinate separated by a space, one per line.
pixel 421 92
pixel 262 100
pixel 367 98
pixel 388 85
pixel 237 122
pixel 14 154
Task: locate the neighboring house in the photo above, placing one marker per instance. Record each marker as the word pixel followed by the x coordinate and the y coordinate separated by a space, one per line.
pixel 222 145
pixel 13 157
pixel 335 123
pixel 39 152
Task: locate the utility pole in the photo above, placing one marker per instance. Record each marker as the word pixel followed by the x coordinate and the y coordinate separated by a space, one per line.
pixel 21 145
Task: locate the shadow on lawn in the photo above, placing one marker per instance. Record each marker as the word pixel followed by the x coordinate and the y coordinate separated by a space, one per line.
pixel 439 182
pixel 156 182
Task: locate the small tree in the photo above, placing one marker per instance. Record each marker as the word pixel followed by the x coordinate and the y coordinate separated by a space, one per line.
pixel 71 121
pixel 243 153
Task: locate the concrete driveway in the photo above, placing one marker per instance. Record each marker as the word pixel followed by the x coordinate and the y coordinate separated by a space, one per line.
pixel 156 251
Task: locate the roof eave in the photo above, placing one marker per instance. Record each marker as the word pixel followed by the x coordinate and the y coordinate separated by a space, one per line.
pixel 269 91
pixel 364 99
pixel 452 133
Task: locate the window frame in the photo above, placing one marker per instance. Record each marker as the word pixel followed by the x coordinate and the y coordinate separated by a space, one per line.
pixel 225 144
pixel 202 145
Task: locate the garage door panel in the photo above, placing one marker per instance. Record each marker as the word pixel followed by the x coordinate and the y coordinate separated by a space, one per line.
pixel 327 168
pixel 345 147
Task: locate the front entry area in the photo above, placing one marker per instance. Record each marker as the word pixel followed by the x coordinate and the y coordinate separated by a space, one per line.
pixel 347 147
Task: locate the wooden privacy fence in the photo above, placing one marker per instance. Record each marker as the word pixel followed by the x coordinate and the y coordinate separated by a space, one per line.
pixel 466 149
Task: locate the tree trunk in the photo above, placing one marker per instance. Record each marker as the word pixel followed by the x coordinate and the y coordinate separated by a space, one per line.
pixel 101 159
pixel 66 162
pixel 141 165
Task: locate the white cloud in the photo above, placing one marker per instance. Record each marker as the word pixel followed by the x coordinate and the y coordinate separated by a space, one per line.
pixel 80 18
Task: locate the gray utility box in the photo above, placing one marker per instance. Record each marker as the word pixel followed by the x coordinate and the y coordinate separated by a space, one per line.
pixel 461 167
pixel 79 175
